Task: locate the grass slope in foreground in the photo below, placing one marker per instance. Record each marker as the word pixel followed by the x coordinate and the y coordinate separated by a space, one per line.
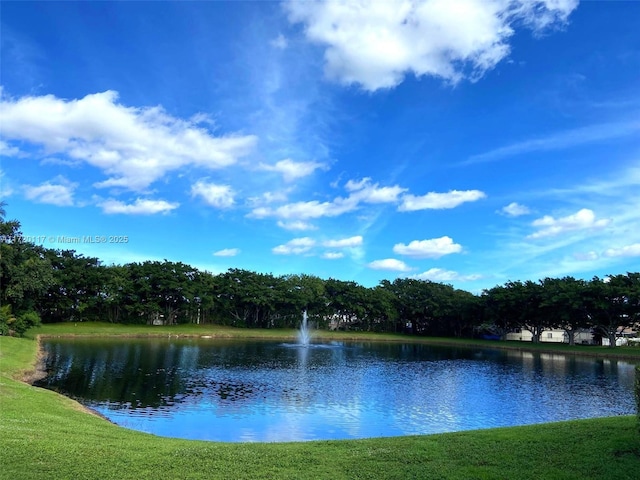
pixel 46 435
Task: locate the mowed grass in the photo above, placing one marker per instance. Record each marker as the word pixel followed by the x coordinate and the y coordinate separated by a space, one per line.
pixel 45 435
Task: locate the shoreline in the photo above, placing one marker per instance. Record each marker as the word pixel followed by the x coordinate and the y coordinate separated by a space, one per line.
pixel 617 353
pixel 39 372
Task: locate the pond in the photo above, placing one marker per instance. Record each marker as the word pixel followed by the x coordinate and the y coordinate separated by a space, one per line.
pixel 228 390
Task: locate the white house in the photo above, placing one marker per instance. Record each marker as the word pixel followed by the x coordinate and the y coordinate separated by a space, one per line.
pixel 580 337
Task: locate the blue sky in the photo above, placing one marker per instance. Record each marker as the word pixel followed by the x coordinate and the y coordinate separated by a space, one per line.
pixel 469 142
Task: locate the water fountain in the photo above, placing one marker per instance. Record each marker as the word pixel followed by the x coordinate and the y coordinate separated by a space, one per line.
pixel 304 335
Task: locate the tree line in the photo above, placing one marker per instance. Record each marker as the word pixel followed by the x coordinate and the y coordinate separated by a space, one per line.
pixel 40 284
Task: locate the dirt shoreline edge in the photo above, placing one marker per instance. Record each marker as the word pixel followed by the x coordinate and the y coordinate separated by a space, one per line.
pixel 39 372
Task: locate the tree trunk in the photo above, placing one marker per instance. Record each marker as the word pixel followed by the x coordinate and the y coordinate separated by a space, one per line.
pixel 571 336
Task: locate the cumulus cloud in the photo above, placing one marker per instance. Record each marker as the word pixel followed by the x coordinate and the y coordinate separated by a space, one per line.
pixel 227 252
pixel 439 201
pixel 139 207
pixel 390 264
pixel 219 196
pixel 515 210
pixel 291 170
pixel 366 191
pixel 440 275
pixel 375 44
pixel 626 251
pixel 344 242
pixel 584 219
pixel 306 210
pixel 57 192
pixel 433 248
pixel 297 246
pixel 133 146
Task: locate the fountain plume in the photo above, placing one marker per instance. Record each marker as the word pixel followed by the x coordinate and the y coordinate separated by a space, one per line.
pixel 303 334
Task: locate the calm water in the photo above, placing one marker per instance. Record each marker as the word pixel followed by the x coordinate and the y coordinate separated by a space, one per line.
pixel 267 391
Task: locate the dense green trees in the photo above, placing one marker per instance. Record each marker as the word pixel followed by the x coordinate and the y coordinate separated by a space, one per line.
pixel 604 306
pixel 565 305
pixel 25 273
pixel 65 286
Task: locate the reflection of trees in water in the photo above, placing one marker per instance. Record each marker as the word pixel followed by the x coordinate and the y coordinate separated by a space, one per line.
pixel 157 374
pixel 134 373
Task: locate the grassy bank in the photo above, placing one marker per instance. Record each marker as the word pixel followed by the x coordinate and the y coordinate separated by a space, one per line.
pixel 95 328
pixel 45 435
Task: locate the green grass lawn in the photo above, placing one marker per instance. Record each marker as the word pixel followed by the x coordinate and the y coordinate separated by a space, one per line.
pixel 45 435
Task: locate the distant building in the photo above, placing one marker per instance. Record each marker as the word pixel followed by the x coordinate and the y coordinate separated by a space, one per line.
pixel 623 337
pixel 583 336
pixel 580 337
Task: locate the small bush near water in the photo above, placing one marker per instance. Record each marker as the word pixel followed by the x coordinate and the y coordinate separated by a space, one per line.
pixel 16 324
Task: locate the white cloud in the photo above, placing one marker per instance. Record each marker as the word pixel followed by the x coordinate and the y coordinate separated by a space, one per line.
pixel 291 170
pixel 59 193
pixel 296 246
pixel 439 201
pixel 632 250
pixel 355 185
pixel 296 225
pixel 201 117
pixel 134 146
pixel 375 44
pixel 60 161
pixel 139 207
pixel 515 210
pixel 440 275
pixel 219 196
pixel 7 150
pixel 332 255
pixel 344 242
pixel 365 191
pixel 280 42
pixel 270 197
pixel 390 264
pixel 227 252
pixel 306 210
pixel 584 219
pixel 433 248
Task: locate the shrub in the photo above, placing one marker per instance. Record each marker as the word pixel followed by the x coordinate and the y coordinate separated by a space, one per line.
pixel 17 325
pixel 6 319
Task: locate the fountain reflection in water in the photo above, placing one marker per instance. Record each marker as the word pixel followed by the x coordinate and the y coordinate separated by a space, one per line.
pixel 304 335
